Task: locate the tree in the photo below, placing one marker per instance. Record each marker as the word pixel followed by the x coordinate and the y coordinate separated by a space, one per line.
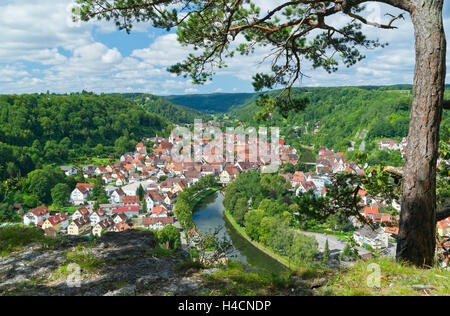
pixel 8 214
pixel 141 193
pixel 40 183
pixel 60 194
pixel 212 27
pixel 98 191
pixel 170 234
pixel 326 252
pixel 123 144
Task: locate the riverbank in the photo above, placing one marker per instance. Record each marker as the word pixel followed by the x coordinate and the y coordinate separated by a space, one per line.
pixel 284 261
pixel 200 196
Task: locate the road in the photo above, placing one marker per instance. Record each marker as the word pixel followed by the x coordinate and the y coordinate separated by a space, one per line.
pixel 335 244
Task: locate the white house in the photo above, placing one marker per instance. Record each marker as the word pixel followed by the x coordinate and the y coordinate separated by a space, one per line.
pixel 120 218
pixel 96 217
pixel 153 199
pixel 69 170
pixel 82 212
pixel 157 223
pixel 366 236
pixel 117 196
pixel 102 227
pixel 81 193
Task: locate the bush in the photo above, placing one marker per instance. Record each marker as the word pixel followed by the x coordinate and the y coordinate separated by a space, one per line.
pixel 189 266
pixel 14 238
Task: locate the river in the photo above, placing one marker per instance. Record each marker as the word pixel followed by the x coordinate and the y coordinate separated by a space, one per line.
pixel 208 215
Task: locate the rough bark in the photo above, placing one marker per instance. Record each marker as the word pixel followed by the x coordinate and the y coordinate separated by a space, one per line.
pixel 416 242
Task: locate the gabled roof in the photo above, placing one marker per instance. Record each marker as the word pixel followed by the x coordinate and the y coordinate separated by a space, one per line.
pixel 82 221
pixel 55 220
pixel 122 216
pixel 122 226
pixel 159 210
pixel 40 211
pixel 130 200
pixel 108 222
pixel 124 209
pixel 146 221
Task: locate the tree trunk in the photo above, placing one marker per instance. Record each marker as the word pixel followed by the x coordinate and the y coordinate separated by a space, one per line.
pixel 416 242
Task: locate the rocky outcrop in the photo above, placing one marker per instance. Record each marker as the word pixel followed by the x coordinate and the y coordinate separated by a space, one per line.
pixel 114 265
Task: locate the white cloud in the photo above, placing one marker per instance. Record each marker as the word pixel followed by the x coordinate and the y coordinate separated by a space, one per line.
pixel 68 57
pixel 164 51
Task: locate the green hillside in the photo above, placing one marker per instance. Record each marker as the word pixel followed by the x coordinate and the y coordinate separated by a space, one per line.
pixel 339 113
pixel 211 103
pixel 173 112
pixel 42 129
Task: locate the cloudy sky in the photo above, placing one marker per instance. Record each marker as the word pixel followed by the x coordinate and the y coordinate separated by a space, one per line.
pixel 41 49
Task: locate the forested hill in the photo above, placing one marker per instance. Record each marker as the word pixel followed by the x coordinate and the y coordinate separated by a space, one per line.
pixel 173 112
pixel 339 113
pixel 211 103
pixel 43 128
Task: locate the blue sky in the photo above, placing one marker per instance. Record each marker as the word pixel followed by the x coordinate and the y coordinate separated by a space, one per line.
pixel 43 50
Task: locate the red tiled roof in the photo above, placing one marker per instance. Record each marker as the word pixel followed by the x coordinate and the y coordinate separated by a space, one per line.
pixel 130 200
pixel 146 221
pixel 40 210
pixel 123 209
pixel 159 210
pixel 370 210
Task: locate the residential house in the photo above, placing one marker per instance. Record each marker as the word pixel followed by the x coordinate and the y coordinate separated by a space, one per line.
pixel 108 208
pixel 82 212
pixel 370 211
pixel 157 223
pixel 129 211
pixel 103 226
pixel 69 170
pixel 392 231
pixel 171 198
pixel 443 227
pixel 228 174
pixel 141 149
pixel 80 226
pixel 57 222
pixel 117 196
pixel 388 144
pixel 109 190
pixel 153 198
pixel 120 218
pixel 107 178
pixel 307 186
pixel 121 181
pixel 97 216
pixel 131 200
pixel 159 211
pixel 81 193
pixel 100 170
pixel 120 227
pixel 36 216
pixel 366 236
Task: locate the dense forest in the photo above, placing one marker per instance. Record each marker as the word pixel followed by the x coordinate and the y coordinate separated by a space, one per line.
pixel 173 112
pixel 339 113
pixel 336 117
pixel 43 129
pixel 212 103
